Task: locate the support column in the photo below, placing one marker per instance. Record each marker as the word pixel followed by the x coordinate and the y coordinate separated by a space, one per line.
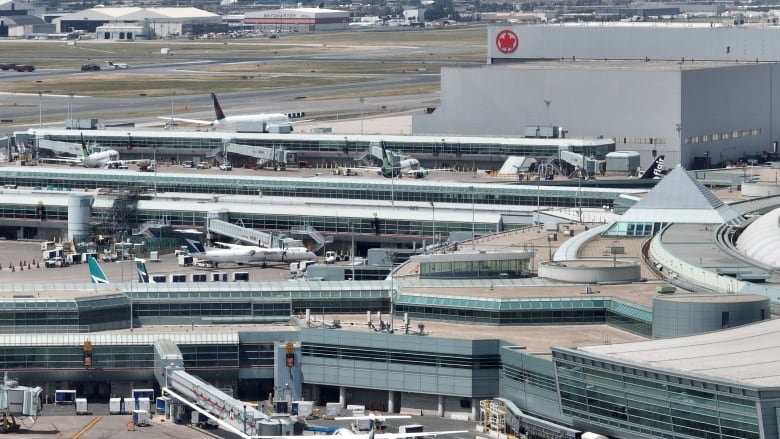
pixel 440 408
pixel 475 409
pixel 343 397
pixel 391 401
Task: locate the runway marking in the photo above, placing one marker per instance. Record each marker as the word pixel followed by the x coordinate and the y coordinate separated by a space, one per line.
pixel 87 427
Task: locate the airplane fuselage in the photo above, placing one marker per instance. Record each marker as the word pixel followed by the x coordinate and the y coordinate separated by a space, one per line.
pixel 265 118
pixel 100 159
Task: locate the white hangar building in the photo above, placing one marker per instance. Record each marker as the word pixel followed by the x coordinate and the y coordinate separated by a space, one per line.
pixel 310 19
pixel 130 23
pixel 695 94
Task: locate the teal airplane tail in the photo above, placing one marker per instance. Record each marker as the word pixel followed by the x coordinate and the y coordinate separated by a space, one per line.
pixel 96 273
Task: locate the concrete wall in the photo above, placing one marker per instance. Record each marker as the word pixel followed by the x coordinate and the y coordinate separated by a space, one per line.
pixel 674 316
pixel 574 271
pixel 656 41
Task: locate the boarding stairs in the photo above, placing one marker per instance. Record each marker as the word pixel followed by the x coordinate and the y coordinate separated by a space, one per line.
pixel 310 232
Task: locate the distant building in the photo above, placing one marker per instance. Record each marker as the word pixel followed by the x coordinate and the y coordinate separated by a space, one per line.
pixel 309 19
pixel 415 15
pixel 698 94
pixel 19 26
pixel 142 23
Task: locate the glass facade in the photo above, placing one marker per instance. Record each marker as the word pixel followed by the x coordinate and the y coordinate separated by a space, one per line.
pixel 378 189
pixel 378 354
pixel 630 229
pixel 201 143
pixel 54 316
pixel 475 269
pixel 548 311
pixel 653 404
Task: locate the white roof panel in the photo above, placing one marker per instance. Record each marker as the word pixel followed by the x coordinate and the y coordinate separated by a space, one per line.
pixel 747 355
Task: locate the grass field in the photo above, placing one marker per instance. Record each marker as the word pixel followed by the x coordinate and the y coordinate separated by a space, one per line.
pixel 247 64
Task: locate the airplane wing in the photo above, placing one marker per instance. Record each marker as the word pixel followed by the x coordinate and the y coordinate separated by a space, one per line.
pixel 192 121
pixel 70 161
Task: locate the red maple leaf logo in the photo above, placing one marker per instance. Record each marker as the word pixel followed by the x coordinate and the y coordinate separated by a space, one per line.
pixel 506 41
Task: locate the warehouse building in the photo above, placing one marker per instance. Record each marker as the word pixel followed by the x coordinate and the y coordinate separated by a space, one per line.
pixel 117 23
pixel 699 95
pixel 305 19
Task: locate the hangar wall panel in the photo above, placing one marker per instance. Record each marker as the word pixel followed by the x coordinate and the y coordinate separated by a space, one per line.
pixel 638 40
pixel 630 104
pixel 726 112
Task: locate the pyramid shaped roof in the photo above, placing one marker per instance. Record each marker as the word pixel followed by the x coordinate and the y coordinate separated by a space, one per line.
pixel 680 198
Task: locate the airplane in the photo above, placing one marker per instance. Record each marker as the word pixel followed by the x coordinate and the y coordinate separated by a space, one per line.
pixel 99 159
pixel 392 168
pixel 656 171
pixel 98 276
pixel 239 256
pixel 278 254
pixel 267 119
pixel 120 65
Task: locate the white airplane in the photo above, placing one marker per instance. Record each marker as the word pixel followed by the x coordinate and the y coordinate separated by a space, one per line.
pixel 196 249
pixel 115 65
pixel 265 255
pixel 410 167
pixel 267 119
pixel 100 159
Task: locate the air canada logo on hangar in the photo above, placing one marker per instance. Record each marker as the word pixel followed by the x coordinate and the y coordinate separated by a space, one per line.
pixel 506 41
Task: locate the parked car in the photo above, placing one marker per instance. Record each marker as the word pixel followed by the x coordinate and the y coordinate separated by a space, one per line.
pixel 226 167
pixel 90 67
pixel 204 165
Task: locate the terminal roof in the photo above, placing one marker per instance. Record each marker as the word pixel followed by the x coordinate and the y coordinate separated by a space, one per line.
pixel 748 354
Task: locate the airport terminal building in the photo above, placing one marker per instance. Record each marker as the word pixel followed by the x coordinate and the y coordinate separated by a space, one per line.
pixel 617 359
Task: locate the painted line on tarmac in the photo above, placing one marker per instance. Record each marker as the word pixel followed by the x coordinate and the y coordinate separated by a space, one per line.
pixel 87 427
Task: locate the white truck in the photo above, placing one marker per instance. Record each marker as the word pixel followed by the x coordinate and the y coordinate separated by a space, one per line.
pixel 202 421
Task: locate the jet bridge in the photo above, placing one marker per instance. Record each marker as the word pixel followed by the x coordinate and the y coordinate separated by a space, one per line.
pixel 232 414
pixel 275 156
pixel 234 231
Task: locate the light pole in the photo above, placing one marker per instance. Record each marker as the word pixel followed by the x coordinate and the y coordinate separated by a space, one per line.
pixel 433 225
pixel 154 168
pixel 172 122
pixel 70 108
pixel 40 108
pixel 473 234
pixel 352 251
pixel 538 199
pixel 362 100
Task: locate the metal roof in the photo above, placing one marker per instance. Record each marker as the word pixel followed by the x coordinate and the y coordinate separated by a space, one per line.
pixel 137 14
pixel 748 354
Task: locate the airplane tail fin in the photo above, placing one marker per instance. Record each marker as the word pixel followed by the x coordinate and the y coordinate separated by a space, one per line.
pixel 84 149
pixel 194 247
pixel 96 272
pixel 217 109
pixel 143 273
pixel 387 162
pixel 656 170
